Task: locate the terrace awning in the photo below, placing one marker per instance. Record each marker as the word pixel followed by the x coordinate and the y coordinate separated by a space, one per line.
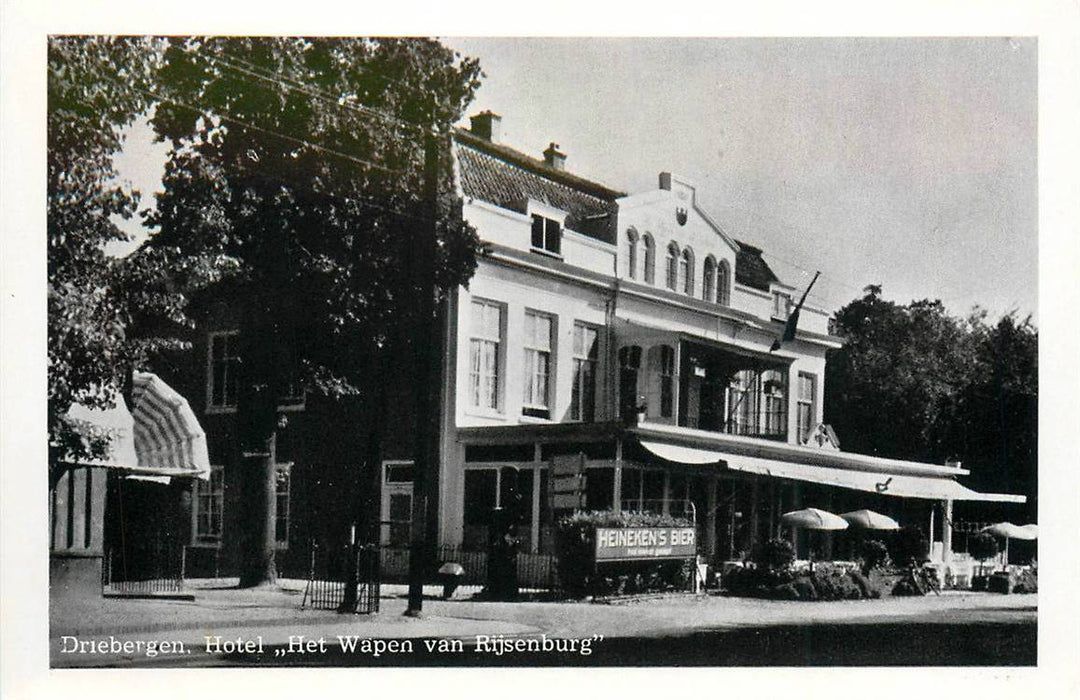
pixel 884 483
pixel 159 437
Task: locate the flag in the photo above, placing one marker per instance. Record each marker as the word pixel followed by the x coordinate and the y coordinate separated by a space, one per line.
pixel 793 319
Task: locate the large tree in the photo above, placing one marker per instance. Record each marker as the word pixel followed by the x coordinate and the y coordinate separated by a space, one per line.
pixel 300 165
pixel 96 87
pixel 914 382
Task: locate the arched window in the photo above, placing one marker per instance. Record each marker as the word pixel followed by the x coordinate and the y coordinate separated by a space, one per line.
pixel 723 283
pixel 708 279
pixel 686 273
pixel 631 253
pixel 650 260
pixel 672 266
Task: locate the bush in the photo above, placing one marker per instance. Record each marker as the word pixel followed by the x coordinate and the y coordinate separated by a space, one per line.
pixel 775 555
pixel 826 583
pixel 575 545
pixel 874 554
pixel 983 546
pixel 755 581
pixel 1000 582
pixel 909 547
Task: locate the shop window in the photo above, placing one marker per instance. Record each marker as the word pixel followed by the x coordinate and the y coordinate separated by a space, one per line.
pixel 223 358
pixel 661 381
pixel 807 391
pixel 209 508
pixel 538 365
pixel 485 349
pixel 546 234
pixel 631 253
pixel 650 259
pixel 723 283
pixel 586 351
pixel 599 488
pixel 281 494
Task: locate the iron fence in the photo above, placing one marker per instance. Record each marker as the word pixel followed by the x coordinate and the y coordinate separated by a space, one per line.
pixel 537 572
pixel 157 569
pixel 331 572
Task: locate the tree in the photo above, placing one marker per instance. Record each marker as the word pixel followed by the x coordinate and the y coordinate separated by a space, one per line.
pixel 89 292
pixel 300 162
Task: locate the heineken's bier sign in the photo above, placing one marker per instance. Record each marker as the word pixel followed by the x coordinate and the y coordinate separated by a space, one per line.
pixel 623 543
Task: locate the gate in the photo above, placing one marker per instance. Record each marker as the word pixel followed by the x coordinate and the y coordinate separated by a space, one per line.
pixel 331 573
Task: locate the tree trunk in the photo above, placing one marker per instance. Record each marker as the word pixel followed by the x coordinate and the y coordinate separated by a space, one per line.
pixel 259 492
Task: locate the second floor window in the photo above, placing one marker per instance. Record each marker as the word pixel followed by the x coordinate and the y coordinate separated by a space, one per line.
pixel 583 401
pixel 805 418
pixel 650 259
pixel 631 254
pixel 538 329
pixel 224 370
pixel 723 283
pixel 484 355
pixel 673 267
pixel 661 381
pixel 546 234
pixel 773 394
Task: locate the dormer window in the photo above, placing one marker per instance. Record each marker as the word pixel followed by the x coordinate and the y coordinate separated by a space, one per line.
pixel 781 305
pixel 546 234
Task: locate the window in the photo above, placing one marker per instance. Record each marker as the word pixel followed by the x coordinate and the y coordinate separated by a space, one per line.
pixel 673 267
pixel 281 493
pixel 742 403
pixel 661 381
pixel 805 406
pixel 583 399
pixel 210 506
pixel 631 253
pixel 546 234
pixel 650 260
pixel 781 305
pixel 484 354
pixel 629 363
pixel 537 365
pixel 686 271
pixel 224 360
pixel 723 283
pixel 773 391
pixel 708 279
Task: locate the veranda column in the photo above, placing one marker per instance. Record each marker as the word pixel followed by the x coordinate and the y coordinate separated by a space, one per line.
pixel 710 517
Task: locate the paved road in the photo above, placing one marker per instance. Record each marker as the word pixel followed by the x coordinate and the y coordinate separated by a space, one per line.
pixel 682 631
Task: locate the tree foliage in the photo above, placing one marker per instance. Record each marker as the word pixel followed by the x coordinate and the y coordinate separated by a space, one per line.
pixel 913 382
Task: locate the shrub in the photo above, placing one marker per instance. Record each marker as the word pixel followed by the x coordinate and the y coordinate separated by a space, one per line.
pixel 575 545
pixel 775 555
pixel 909 547
pixel 874 554
pixel 1027 581
pixel 755 581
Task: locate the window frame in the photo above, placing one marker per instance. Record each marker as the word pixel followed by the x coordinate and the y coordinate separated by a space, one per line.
pixel 778 313
pixel 672 280
pixel 499 367
pixel 723 283
pixel 649 276
pixel 529 405
pixel 216 498
pixel 551 231
pixel 579 393
pixel 802 433
pixel 631 253
pixel 686 270
pixel 708 279
pixel 230 361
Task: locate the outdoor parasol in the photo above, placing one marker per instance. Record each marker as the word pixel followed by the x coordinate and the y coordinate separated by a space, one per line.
pixel 1011 532
pixel 813 519
pixel 870 520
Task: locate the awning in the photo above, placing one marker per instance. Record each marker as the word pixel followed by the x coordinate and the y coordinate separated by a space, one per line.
pixel 888 484
pixel 160 438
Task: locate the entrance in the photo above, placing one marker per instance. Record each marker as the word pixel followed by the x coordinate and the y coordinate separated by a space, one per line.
pixel 395 518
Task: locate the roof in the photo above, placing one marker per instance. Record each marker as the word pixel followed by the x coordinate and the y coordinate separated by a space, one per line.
pixel 502 176
pixel 751 269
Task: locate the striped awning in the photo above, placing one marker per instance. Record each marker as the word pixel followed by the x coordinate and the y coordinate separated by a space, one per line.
pixel 158 438
pixel 168 437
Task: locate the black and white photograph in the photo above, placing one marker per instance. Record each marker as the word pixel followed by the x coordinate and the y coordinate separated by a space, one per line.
pixel 402 349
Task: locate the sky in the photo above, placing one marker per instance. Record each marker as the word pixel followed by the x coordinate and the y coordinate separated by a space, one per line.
pixel 908 163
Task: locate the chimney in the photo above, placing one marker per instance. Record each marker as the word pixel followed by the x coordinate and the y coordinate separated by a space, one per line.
pixel 555 159
pixel 487 125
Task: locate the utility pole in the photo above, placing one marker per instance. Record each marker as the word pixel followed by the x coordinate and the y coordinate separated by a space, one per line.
pixel 427 344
